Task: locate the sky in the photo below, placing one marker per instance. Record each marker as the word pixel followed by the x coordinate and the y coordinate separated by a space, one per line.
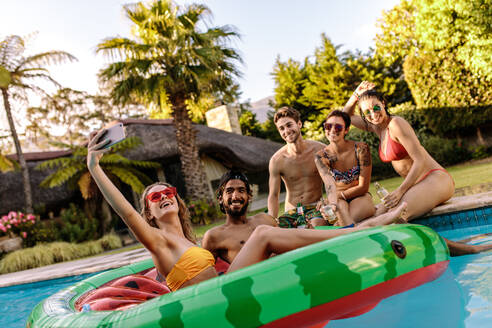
pixel 268 28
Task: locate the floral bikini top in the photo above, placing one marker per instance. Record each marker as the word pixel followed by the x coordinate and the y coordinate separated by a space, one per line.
pixel 350 175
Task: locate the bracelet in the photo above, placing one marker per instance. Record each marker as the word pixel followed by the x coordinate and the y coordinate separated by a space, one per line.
pixel 343 195
pixel 356 96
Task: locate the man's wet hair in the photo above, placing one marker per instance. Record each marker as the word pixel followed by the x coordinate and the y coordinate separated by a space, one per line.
pixel 226 177
pixel 287 112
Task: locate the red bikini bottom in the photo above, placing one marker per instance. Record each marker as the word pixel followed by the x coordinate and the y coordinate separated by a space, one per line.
pixel 425 175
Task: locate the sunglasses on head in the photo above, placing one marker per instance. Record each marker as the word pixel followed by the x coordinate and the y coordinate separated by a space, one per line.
pixel 375 109
pixel 156 195
pixel 329 126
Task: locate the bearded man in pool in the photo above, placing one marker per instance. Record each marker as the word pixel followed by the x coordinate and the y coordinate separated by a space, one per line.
pixel 234 195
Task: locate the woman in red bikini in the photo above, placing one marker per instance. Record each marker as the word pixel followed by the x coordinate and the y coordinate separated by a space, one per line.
pixel 426 184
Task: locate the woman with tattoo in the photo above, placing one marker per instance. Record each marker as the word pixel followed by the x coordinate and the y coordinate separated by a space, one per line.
pixel 348 163
pixel 426 184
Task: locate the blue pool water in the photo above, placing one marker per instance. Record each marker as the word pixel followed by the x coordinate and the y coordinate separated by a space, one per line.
pixel 17 302
pixel 461 297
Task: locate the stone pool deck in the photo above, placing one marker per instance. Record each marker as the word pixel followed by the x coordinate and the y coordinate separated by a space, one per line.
pixel 73 268
pixel 110 261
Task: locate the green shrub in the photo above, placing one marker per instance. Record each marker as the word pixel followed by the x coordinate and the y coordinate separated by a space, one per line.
pixel 481 152
pixel 444 151
pixel 75 227
pixel 42 232
pixel 72 226
pixel 46 254
pixel 203 212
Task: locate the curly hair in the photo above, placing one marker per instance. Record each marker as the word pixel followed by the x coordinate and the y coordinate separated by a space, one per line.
pixel 183 212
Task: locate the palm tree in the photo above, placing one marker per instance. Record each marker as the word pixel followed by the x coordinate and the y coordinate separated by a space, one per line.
pixel 73 171
pixel 173 60
pixel 17 73
pixel 6 164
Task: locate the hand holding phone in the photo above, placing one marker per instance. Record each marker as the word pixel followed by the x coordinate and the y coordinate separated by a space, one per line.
pixel 114 134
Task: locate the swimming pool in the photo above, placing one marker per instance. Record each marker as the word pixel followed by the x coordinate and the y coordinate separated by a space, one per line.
pixel 17 302
pixel 461 297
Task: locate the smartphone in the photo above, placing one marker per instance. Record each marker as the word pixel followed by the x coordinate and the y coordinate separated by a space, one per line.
pixel 114 133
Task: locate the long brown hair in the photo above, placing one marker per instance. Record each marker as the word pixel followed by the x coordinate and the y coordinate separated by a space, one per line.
pixel 183 212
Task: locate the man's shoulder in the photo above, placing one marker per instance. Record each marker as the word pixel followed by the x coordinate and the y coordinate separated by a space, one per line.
pixel 315 145
pixel 278 154
pixel 212 233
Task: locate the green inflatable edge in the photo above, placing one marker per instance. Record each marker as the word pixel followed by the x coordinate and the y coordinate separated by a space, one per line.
pixel 264 292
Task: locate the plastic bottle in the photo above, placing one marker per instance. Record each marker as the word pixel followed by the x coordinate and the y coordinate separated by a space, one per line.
pixel 381 191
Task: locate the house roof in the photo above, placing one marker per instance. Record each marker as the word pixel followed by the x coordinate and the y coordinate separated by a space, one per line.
pixel 159 142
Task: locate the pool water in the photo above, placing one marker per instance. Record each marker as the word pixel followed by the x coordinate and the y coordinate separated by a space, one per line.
pixel 17 302
pixel 461 297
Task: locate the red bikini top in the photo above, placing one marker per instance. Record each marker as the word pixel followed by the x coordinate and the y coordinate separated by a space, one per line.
pixel 394 150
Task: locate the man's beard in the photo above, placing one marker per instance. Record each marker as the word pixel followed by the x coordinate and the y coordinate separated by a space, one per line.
pixel 238 212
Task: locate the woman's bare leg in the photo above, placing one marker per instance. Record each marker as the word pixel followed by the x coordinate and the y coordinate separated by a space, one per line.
pixel 361 208
pixel 435 189
pixel 398 214
pixel 266 240
pixel 459 248
pixel 343 213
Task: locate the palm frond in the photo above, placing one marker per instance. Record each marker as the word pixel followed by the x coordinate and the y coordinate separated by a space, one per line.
pixel 54 163
pixel 62 175
pixel 47 58
pixel 6 164
pixel 127 177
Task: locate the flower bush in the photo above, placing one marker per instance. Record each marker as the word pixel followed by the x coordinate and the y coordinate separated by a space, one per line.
pixel 16 223
pixel 203 212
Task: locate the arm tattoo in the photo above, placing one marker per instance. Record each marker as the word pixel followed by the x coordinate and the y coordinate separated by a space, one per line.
pixel 331 158
pixel 322 168
pixel 364 154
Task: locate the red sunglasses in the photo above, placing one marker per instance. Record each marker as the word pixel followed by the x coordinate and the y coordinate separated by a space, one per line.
pixel 155 196
pixel 328 126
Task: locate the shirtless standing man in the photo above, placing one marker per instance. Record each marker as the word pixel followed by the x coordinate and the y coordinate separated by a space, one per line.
pixel 294 165
pixel 234 195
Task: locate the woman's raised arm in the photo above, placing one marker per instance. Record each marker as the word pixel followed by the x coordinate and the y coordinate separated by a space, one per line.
pixel 146 234
pixel 349 108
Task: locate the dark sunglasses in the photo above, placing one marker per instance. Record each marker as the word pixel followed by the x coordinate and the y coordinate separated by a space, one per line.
pixel 155 196
pixel 375 109
pixel 328 126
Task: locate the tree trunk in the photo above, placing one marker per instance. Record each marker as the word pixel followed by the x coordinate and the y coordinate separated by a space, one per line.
pixel 480 139
pixel 191 165
pixel 20 155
